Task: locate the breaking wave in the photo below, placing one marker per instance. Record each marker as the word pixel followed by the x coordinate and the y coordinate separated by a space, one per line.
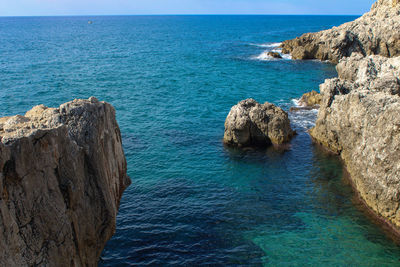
pixel 271 47
pixel 302 119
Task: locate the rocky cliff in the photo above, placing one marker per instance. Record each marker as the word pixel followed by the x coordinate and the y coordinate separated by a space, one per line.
pixel 62 175
pixel 359 119
pixel 375 33
pixel 359 111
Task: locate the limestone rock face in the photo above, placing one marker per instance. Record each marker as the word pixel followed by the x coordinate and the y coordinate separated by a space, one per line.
pixel 359 119
pixel 250 123
pixel 62 175
pixel 375 33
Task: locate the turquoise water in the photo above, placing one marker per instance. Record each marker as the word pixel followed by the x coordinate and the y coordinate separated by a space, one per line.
pixel 173 80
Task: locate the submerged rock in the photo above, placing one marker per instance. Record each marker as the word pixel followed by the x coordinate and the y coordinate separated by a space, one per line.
pixel 375 33
pixel 359 120
pixel 62 175
pixel 252 124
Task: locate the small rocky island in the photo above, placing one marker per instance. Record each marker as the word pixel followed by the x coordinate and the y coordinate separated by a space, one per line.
pixel 252 124
pixel 62 175
pixel 358 117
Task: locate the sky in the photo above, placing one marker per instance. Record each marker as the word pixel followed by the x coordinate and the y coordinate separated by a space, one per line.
pixel 150 7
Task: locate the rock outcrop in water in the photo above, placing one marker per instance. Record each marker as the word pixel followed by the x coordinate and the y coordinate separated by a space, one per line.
pixel 308 101
pixel 62 175
pixel 311 99
pixel 359 119
pixel 375 33
pixel 252 124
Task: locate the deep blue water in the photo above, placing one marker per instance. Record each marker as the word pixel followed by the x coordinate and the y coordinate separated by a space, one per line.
pixel 173 80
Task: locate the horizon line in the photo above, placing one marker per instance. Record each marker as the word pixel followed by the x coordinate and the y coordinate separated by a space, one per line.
pixel 216 14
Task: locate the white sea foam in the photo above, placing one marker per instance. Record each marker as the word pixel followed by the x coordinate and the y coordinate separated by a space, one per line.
pixel 303 119
pixel 265 57
pixel 270 47
pixel 297 103
pixel 286 56
pixel 267 45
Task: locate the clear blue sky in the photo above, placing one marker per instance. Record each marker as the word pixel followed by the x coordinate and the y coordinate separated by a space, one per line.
pixel 140 7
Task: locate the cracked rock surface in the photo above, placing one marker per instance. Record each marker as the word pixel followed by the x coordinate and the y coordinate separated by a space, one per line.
pixel 252 124
pixel 359 119
pixel 62 175
pixel 375 33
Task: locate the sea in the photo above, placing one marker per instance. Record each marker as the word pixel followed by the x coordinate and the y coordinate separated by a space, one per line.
pixel 172 80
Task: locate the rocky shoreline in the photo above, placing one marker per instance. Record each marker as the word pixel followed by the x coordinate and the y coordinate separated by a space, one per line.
pixel 375 33
pixel 252 124
pixel 62 174
pixel 358 117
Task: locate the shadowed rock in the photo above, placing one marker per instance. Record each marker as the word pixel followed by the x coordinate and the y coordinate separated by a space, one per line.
pixel 252 124
pixel 62 175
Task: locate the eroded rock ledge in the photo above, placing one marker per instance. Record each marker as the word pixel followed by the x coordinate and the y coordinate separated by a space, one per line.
pixel 62 175
pixel 375 33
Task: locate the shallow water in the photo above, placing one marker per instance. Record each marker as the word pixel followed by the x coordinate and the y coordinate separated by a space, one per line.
pixel 172 81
